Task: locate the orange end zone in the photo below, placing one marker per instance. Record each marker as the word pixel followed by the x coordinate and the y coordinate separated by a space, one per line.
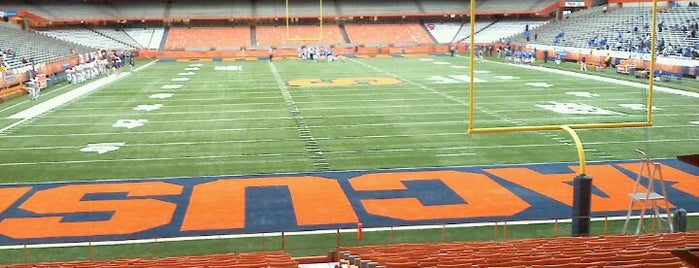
pixel 146 209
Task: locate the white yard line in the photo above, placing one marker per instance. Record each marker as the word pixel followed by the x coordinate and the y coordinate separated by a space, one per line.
pixel 338 154
pixel 604 79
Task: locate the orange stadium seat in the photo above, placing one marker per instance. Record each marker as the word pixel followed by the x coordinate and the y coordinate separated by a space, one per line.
pixel 599 251
pixel 376 33
pixel 298 35
pixel 207 37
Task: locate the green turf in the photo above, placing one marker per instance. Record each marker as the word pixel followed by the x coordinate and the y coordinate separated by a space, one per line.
pixel 239 122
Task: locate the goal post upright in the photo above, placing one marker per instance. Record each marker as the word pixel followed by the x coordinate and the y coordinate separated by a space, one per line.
pixel 320 23
pixel 474 129
pixel 651 72
pixel 471 56
pixel 582 182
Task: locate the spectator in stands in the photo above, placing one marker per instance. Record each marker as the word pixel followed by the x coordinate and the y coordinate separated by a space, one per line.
pixel 3 67
pixel 527 35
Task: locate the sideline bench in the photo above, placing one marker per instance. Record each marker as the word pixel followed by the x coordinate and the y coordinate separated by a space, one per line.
pixel 12 92
pixel 667 77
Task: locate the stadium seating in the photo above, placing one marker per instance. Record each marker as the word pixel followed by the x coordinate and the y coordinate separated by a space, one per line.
pixel 220 9
pixel 445 32
pixel 465 32
pixel 43 49
pixel 272 259
pixel 512 6
pixel 148 38
pixel 376 33
pixel 159 9
pixel 93 38
pixel 118 36
pixel 597 251
pixel 504 29
pixel 277 9
pixel 624 28
pixel 371 7
pixel 205 38
pixel 277 36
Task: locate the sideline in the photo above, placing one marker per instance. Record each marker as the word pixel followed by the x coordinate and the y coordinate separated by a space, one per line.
pixel 64 98
pixel 25 101
pixel 601 79
pixel 299 233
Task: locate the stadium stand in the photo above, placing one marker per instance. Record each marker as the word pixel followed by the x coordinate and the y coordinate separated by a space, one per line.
pixel 504 29
pixel 277 36
pixel 623 29
pixel 148 38
pixel 140 9
pixel 43 49
pixel 72 10
pixel 444 7
pixel 213 9
pixel 501 7
pixel 91 38
pixel 370 7
pixel 376 33
pixel 596 251
pixel 277 9
pixel 445 32
pixel 119 36
pixel 465 32
pixel 206 38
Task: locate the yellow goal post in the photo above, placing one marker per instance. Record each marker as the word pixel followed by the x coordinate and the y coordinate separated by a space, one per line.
pixel 289 20
pixel 569 128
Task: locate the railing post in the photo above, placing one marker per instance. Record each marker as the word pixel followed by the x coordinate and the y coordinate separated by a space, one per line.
pixel 283 241
pixel 337 239
pixel 390 237
pixel 89 249
pixel 444 233
pixel 495 232
pixel 157 248
pixel 26 254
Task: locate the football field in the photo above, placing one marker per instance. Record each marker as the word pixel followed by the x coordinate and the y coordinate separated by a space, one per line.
pixel 189 119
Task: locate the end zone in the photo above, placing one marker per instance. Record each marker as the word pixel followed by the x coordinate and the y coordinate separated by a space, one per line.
pixel 241 205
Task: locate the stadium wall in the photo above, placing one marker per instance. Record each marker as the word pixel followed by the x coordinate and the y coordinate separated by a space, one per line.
pixel 261 53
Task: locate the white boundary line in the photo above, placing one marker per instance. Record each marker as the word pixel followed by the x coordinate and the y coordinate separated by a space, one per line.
pixel 332 231
pixel 64 98
pixel 25 101
pixel 602 79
